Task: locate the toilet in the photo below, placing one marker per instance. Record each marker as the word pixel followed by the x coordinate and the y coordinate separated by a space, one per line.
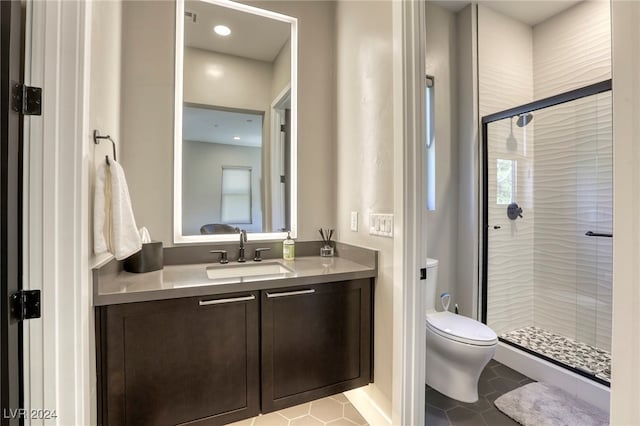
pixel 458 347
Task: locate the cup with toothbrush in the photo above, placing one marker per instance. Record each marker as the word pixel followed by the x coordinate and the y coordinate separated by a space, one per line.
pixel 327 247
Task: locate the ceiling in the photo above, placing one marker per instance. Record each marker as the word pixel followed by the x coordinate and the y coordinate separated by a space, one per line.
pixel 252 36
pixel 215 126
pixel 530 12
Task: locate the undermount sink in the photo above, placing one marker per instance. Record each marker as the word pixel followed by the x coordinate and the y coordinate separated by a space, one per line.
pixel 246 270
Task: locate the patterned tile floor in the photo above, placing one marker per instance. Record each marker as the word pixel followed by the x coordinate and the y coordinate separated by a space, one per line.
pixel 496 379
pixel 335 410
pixel 568 351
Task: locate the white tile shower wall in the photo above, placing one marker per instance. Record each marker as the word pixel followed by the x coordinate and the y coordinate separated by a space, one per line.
pixel 505 59
pixel 572 184
pixel 572 49
pixel 510 268
pixel 505 62
pixel 573 195
pixel 573 180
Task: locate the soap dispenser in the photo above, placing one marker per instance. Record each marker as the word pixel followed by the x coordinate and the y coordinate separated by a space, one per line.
pixel 288 248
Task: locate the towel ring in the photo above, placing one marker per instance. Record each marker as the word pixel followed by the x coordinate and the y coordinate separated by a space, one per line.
pixel 96 140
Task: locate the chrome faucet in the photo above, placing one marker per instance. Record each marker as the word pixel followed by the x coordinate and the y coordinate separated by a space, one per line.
pixel 243 239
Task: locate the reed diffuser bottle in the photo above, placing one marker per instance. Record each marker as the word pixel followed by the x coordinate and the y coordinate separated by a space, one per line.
pixel 327 246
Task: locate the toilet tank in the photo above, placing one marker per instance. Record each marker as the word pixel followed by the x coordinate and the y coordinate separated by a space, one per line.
pixel 432 281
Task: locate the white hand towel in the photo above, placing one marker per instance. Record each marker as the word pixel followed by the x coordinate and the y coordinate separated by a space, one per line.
pixel 145 237
pixel 115 227
pixel 101 225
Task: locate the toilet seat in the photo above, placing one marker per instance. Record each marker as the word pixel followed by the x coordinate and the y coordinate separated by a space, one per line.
pixel 461 329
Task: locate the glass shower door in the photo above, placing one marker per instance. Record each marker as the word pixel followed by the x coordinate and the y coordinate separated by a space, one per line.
pixel 548 219
pixel 595 239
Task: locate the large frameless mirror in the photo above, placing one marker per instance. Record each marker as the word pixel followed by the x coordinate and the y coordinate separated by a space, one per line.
pixel 235 122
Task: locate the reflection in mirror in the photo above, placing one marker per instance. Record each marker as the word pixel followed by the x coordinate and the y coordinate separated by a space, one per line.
pixel 221 169
pixel 235 123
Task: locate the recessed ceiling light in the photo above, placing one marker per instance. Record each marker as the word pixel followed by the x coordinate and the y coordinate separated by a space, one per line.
pixel 222 30
pixel 237 138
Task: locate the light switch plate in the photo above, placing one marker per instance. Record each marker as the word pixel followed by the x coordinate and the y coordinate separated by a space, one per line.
pixel 381 224
pixel 354 221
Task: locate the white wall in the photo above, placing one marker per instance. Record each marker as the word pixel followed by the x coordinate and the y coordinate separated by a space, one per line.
pixel 212 78
pixel 442 224
pixel 364 160
pixel 147 113
pixel 104 113
pixel 202 183
pixel 316 111
pixel 625 386
pixel 281 70
pixel 468 159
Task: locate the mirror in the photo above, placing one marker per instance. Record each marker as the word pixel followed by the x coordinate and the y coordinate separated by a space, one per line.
pixel 235 122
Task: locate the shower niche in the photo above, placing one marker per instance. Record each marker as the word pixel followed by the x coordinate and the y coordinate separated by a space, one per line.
pixel 547 274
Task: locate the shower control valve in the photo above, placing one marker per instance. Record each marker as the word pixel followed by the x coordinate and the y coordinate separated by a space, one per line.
pixel 514 211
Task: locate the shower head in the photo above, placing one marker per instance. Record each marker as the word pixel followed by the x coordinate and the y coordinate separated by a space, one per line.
pixel 524 119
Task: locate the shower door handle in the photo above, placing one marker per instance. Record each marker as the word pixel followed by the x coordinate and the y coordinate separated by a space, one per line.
pixel 597 234
pixel 497 227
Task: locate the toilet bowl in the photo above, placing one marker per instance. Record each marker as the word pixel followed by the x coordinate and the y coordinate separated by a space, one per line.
pixel 458 347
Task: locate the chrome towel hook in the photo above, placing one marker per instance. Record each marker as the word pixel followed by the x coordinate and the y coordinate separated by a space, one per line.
pixel 96 140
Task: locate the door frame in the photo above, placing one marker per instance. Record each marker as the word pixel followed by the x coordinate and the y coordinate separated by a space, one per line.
pixel 58 348
pixel 409 293
pixel 11 151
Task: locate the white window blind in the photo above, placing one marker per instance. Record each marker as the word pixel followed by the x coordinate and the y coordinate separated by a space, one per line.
pixel 236 195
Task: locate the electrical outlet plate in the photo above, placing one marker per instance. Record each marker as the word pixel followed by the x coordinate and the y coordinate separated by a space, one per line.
pixel 354 221
pixel 381 224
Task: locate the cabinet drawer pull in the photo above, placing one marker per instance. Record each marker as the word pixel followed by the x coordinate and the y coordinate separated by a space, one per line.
pixel 221 301
pixel 290 293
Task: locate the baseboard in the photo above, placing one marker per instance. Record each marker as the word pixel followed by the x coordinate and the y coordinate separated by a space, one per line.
pixel 366 405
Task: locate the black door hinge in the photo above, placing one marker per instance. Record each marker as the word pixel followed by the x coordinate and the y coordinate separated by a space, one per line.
pixel 283 179
pixel 26 100
pixel 25 304
pixel 283 128
pixel 423 273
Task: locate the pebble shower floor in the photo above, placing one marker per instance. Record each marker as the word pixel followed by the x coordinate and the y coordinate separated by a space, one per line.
pixel 560 348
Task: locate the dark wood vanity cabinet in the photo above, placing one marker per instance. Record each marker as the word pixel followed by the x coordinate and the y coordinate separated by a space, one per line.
pixel 218 359
pixel 179 360
pixel 316 341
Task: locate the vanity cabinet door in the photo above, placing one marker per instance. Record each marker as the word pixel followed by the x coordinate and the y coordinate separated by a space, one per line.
pixel 181 360
pixel 315 341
